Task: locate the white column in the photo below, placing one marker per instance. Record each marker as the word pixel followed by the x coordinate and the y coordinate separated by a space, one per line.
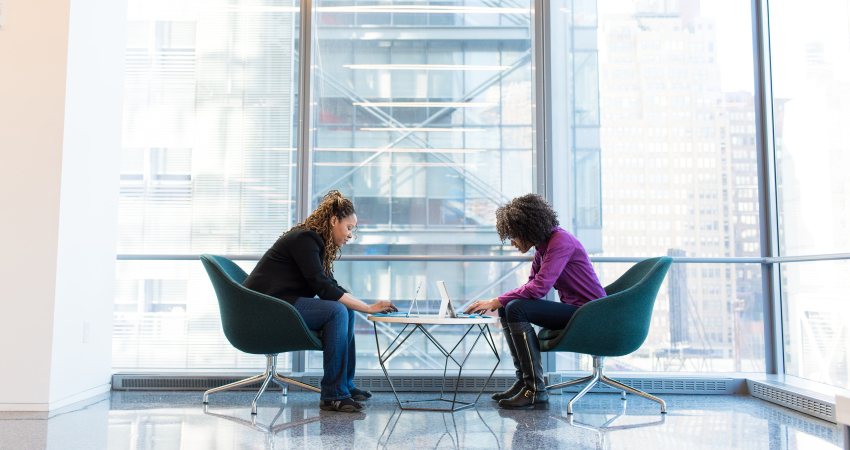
pixel 61 70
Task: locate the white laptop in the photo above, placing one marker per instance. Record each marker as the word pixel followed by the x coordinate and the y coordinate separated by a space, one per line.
pixel 409 312
pixel 446 307
pixel 446 310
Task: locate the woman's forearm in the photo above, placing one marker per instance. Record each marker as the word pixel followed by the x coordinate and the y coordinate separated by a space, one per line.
pixel 352 302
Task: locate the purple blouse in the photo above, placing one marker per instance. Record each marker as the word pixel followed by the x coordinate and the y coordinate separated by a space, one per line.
pixel 562 263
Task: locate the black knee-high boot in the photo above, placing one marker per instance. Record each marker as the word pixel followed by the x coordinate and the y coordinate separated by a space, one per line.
pixel 518 384
pixel 528 353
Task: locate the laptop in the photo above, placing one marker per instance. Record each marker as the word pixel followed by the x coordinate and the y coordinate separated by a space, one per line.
pixel 409 312
pixel 446 310
pixel 446 307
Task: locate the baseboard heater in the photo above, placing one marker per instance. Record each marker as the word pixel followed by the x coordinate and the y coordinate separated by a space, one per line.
pixel 795 399
pixel 377 383
pixel 428 383
pixel 667 385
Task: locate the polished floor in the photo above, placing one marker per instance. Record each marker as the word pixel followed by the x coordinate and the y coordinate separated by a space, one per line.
pixel 156 420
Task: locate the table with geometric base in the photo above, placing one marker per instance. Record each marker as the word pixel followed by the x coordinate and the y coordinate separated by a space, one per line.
pixel 414 323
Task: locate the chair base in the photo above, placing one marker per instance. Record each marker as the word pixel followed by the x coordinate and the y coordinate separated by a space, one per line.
pixel 598 376
pixel 269 375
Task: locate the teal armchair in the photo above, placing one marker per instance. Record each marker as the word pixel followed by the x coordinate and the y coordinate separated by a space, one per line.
pixel 258 324
pixel 614 325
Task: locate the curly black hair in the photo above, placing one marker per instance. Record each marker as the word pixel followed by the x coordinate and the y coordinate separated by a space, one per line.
pixel 528 217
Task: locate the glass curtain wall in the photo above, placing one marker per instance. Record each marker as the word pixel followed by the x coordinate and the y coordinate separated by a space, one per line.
pixel 653 117
pixel 423 116
pixel 422 112
pixel 811 102
pixel 209 114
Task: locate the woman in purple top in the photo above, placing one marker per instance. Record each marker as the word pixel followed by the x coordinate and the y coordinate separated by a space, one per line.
pixel 561 262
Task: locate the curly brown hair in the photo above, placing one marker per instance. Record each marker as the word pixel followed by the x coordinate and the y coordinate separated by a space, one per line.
pixel 333 204
pixel 528 217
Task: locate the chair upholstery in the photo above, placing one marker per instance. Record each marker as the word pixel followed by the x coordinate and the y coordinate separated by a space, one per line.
pixel 614 325
pixel 258 324
pixel 253 322
pixel 617 324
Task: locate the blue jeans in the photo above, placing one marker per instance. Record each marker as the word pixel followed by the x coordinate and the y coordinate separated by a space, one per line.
pixel 544 313
pixel 336 322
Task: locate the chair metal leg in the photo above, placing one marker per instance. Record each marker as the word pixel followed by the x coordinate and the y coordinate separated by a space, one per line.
pixel 618 385
pixel 598 363
pixel 569 383
pixel 286 380
pixel 271 370
pixel 235 384
pixel 284 388
pixel 262 389
pixel 598 376
pixel 269 375
pixel 593 380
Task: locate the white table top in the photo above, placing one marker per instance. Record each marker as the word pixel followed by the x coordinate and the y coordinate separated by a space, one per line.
pixel 426 319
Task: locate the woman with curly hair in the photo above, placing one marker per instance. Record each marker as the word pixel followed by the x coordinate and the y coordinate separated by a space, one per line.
pixel 298 268
pixel 560 261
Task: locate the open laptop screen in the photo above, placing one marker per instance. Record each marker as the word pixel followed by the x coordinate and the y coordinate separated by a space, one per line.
pixel 446 307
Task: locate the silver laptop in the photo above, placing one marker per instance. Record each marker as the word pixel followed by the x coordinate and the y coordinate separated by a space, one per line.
pixel 409 312
pixel 446 307
pixel 446 310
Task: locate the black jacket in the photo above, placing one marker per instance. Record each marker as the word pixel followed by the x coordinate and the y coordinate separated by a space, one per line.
pixel 293 268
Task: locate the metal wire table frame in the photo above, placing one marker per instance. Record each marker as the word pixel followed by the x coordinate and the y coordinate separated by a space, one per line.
pixel 411 325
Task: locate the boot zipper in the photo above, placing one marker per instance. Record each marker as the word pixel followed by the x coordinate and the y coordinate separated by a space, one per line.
pixel 530 365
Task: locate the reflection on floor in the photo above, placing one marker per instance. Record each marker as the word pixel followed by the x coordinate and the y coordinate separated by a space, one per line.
pixel 156 420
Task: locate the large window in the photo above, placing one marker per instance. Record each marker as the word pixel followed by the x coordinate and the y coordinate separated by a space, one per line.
pixel 424 117
pixel 816 321
pixel 210 96
pixel 689 334
pixel 810 50
pixel 420 113
pixel 426 114
pixel 661 152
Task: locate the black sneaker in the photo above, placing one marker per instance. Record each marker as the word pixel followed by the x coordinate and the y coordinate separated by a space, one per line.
pixel 345 405
pixel 359 394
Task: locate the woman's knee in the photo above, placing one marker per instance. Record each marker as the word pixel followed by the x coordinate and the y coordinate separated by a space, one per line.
pixel 514 311
pixel 338 313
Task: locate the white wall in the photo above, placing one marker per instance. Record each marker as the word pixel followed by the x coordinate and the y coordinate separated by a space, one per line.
pixel 88 211
pixel 33 48
pixel 58 194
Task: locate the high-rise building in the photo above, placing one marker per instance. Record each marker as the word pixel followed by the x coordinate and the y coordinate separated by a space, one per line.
pixel 678 174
